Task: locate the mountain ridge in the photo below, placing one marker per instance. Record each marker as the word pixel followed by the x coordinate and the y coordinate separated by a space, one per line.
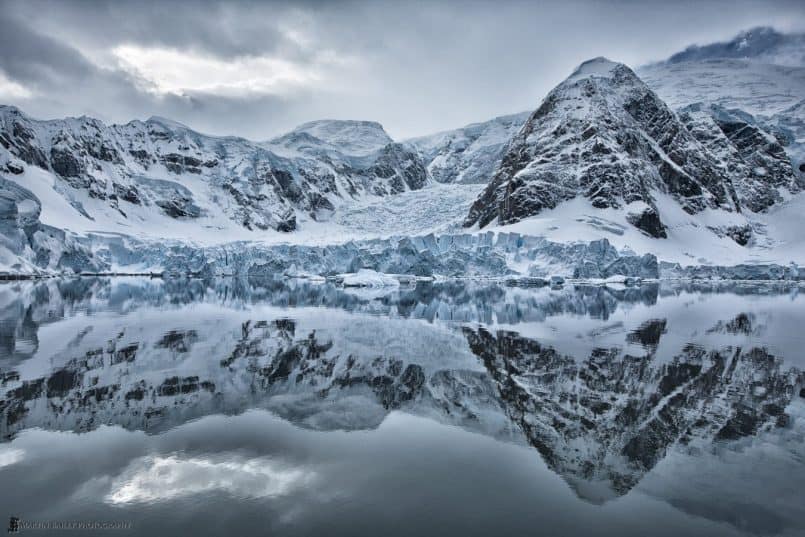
pixel 636 164
pixel 183 174
pixel 604 135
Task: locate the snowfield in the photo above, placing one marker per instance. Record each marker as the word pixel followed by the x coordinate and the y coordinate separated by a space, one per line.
pixel 756 88
pixel 780 237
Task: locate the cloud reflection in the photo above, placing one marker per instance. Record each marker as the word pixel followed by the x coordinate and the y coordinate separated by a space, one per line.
pixel 9 456
pixel 159 478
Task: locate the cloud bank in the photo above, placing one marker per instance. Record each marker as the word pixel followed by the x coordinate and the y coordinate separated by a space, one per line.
pixel 258 69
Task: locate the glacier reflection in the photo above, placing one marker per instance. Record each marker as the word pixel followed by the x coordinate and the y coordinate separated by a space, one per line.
pixel 608 387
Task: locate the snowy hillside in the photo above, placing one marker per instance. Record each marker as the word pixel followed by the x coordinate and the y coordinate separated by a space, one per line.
pixel 470 154
pixel 153 173
pixel 347 137
pixel 757 88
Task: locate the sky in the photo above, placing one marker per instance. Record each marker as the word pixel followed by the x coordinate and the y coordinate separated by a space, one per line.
pixel 258 69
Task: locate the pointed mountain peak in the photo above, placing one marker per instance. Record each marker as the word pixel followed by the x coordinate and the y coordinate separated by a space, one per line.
pixel 604 135
pixel 599 67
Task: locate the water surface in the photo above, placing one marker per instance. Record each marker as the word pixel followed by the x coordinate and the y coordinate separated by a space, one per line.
pixel 449 408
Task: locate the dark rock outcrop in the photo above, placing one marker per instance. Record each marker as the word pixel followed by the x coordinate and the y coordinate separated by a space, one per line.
pixel 603 135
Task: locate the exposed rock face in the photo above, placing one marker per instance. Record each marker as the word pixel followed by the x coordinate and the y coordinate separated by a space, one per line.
pixel 760 71
pixel 402 169
pixel 648 221
pixel 789 127
pixel 604 135
pixel 753 159
pixel 353 156
pixel 180 173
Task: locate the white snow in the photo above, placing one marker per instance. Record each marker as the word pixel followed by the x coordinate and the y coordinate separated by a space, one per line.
pixel 349 137
pixel 440 208
pixel 753 87
pixel 596 67
pixel 690 242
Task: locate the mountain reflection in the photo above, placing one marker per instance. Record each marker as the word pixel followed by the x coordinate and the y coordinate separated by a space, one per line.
pixel 603 382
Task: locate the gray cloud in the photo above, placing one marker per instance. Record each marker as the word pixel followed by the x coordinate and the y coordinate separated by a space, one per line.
pixel 415 67
pixel 223 29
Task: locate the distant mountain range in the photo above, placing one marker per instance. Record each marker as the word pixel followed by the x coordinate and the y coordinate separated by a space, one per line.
pixel 716 133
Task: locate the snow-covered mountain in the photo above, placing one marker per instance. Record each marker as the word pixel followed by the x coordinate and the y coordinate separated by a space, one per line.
pixel 604 135
pixel 470 154
pixel 149 173
pixel 752 158
pixel 762 44
pixel 760 72
pixel 357 138
pixel 693 166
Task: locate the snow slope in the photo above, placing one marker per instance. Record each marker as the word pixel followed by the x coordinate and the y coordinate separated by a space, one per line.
pixel 131 173
pixel 777 234
pixel 470 154
pixel 757 88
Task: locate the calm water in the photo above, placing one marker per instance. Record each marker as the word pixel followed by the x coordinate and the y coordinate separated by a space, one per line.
pixel 456 408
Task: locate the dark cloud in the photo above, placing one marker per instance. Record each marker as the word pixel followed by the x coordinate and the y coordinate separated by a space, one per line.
pixel 222 29
pixel 416 67
pixel 65 82
pixel 36 59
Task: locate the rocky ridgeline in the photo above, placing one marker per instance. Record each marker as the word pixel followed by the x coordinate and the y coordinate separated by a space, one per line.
pixel 169 169
pixel 754 159
pixel 602 134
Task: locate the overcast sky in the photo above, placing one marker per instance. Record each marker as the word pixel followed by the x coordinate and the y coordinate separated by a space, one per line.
pixel 258 69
